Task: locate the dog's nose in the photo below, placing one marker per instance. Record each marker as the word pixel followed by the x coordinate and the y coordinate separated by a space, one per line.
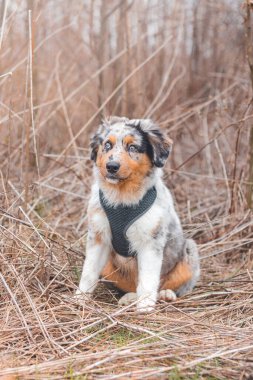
pixel 112 167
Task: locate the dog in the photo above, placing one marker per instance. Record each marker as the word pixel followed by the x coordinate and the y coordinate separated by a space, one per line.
pixel 135 239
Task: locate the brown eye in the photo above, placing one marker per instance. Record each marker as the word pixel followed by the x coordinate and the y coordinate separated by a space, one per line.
pixel 107 146
pixel 132 149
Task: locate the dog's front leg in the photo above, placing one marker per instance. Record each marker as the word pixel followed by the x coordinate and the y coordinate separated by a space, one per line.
pixel 149 269
pixel 97 255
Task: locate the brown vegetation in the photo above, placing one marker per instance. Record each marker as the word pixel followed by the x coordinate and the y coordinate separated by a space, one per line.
pixel 64 65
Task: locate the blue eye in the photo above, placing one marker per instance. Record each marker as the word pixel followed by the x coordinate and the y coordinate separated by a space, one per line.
pixel 132 149
pixel 107 146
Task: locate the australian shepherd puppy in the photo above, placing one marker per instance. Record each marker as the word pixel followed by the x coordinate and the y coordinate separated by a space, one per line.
pixel 135 239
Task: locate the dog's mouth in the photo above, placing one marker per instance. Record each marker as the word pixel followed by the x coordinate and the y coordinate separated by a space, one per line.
pixel 114 178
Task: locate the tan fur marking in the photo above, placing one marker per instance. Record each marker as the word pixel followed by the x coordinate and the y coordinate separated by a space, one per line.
pixel 127 283
pixel 139 170
pixel 112 139
pixel 98 238
pixel 125 265
pixel 128 139
pixel 177 277
pixel 102 159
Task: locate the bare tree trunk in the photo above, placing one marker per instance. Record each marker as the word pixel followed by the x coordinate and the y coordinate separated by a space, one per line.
pixel 102 46
pixel 2 12
pixel 120 66
pixel 250 61
pixel 195 42
pixel 2 17
pixel 250 188
pixel 30 6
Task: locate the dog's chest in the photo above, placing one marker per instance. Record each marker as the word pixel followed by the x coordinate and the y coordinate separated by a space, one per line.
pixel 122 217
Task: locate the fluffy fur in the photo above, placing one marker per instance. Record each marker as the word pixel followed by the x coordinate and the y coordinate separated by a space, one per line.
pixel 128 157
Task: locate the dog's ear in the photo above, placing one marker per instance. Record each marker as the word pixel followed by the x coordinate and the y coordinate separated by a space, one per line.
pixel 96 141
pixel 161 145
pixel 98 138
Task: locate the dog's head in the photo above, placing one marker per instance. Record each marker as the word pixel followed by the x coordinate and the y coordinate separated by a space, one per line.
pixel 127 150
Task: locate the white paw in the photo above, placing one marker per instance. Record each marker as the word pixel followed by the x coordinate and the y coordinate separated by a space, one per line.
pixel 167 295
pixel 146 305
pixel 127 299
pixel 79 295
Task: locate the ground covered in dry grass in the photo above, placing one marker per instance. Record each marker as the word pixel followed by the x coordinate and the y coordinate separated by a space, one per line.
pixel 46 333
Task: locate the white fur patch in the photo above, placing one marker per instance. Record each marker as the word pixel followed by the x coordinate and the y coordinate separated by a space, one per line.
pixel 167 295
pixel 127 299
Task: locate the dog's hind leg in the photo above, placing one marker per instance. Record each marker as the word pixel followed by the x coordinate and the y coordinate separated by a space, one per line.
pixel 176 278
pixel 191 256
pixel 184 276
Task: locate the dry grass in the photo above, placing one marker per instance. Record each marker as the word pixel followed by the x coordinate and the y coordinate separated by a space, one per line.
pixel 184 65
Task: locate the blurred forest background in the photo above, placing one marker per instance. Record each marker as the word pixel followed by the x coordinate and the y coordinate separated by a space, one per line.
pixel 64 65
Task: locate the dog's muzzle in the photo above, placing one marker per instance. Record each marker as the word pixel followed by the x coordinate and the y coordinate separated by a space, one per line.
pixel 112 167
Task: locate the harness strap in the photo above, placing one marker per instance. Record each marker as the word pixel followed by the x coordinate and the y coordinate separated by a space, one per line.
pixel 122 217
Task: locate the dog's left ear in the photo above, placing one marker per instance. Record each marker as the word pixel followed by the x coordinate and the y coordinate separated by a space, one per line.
pixel 96 140
pixel 160 144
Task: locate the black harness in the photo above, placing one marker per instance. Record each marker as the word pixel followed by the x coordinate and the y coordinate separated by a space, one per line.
pixel 122 217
